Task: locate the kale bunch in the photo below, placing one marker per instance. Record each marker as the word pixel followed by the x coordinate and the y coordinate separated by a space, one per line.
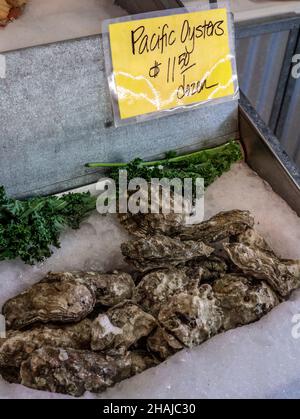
pixel 207 164
pixel 30 228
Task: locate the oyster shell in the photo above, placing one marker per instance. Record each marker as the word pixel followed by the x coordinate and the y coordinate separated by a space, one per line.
pixel 10 374
pixel 163 343
pixel 143 225
pixel 140 361
pixel 243 300
pixel 110 289
pixel 219 227
pixel 150 224
pixel 162 252
pixel 251 238
pixel 157 287
pixel 73 372
pixel 211 268
pixel 62 301
pixel 67 297
pixel 282 275
pixel 19 345
pixel 192 319
pixel 120 328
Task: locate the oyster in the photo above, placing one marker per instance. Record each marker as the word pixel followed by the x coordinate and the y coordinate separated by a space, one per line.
pixel 251 237
pixel 163 343
pixel 50 301
pixel 73 372
pixel 19 345
pixel 211 268
pixel 192 319
pixel 140 361
pixel 157 287
pixel 243 300
pixel 219 227
pixel 162 252
pixel 282 275
pixel 120 328
pixel 143 225
pixel 10 374
pixel 67 297
pixel 163 222
pixel 110 289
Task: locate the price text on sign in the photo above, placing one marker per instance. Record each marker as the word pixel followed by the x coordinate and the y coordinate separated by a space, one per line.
pixel 171 61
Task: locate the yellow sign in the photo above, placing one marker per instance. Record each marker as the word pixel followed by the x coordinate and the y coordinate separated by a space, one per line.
pixel 171 61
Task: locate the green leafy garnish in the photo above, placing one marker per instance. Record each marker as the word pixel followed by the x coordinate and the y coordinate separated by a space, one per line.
pixel 29 228
pixel 208 164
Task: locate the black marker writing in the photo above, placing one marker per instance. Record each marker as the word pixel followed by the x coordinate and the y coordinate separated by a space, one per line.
pixel 192 89
pixel 155 70
pixel 184 60
pixel 142 42
pixel 206 30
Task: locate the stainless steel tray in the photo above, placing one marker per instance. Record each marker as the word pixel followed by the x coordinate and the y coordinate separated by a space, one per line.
pixel 265 156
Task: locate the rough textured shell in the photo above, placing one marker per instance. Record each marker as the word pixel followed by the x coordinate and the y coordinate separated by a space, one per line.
pixel 110 289
pixel 192 319
pixel 143 225
pixel 243 300
pixel 74 372
pixel 252 238
pixel 163 343
pixel 157 287
pixel 219 227
pixel 162 252
pixel 54 301
pixel 10 374
pixel 211 268
pixel 140 361
pixel 19 345
pixel 282 275
pixel 120 328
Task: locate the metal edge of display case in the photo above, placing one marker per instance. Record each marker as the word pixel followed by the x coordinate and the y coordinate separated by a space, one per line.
pixel 289 89
pixel 137 6
pixel 265 25
pixel 266 157
pixel 282 88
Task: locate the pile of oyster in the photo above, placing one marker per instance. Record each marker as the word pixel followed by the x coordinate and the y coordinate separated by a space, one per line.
pixel 85 331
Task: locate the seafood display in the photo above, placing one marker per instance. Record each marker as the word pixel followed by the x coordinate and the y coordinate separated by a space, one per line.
pixel 74 332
